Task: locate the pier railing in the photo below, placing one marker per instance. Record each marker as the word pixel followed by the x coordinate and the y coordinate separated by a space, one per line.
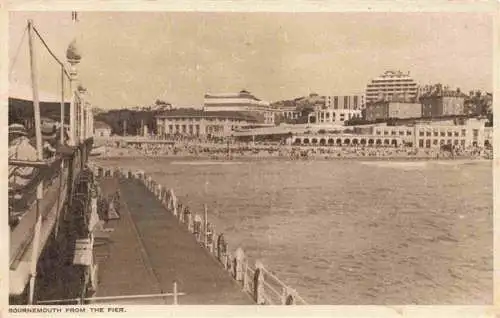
pixel 263 286
pixel 110 299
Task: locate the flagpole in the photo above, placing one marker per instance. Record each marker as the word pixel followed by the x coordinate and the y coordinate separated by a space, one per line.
pixel 39 192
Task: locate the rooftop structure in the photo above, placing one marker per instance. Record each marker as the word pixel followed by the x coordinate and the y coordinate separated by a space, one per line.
pixel 242 101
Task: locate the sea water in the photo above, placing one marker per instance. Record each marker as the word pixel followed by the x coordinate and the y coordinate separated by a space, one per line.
pixel 347 232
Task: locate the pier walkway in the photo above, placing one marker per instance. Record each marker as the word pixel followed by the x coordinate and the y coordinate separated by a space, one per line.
pixel 149 249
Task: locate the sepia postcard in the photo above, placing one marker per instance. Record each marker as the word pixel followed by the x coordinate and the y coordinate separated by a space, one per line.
pixel 263 160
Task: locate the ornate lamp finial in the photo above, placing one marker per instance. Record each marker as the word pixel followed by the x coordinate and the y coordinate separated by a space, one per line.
pixel 73 54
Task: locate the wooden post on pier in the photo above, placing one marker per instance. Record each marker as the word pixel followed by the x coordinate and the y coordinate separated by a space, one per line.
pixel 284 294
pixel 238 264
pixel 176 301
pixel 245 276
pixel 258 283
pixel 205 225
pixel 174 202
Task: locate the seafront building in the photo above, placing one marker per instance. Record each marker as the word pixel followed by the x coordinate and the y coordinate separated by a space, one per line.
pixel 389 84
pixel 242 101
pixel 339 109
pixel 201 123
pixel 421 133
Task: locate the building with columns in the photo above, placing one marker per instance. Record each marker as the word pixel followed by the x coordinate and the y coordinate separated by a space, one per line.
pixel 200 123
pixel 336 117
pixel 339 108
pixel 353 102
pixel 463 133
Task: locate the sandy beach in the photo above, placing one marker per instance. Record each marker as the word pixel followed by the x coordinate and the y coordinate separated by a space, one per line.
pixel 188 150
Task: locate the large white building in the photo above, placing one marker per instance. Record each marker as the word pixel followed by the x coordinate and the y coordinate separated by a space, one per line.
pixel 200 123
pixel 339 109
pixel 391 84
pixel 461 133
pixel 336 116
pixel 243 101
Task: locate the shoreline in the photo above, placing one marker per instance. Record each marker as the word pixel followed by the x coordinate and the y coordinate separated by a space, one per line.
pixel 278 158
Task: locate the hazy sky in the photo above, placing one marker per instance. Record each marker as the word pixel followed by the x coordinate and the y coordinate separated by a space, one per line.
pixel 133 58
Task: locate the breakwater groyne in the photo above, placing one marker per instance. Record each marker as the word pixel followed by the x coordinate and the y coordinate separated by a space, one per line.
pixel 252 277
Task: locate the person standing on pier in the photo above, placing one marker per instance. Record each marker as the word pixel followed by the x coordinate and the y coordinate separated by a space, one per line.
pixel 197 227
pixel 188 219
pixel 19 176
pixel 209 234
pixel 221 248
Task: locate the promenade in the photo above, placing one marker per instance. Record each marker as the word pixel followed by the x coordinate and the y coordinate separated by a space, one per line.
pixel 149 250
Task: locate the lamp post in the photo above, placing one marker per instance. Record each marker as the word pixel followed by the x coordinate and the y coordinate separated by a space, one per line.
pixel 73 57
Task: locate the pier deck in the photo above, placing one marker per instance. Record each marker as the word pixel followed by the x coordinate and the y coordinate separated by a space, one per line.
pixel 149 250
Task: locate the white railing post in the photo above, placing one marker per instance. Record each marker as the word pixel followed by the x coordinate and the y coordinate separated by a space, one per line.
pixel 174 203
pixel 245 276
pixel 238 264
pixel 259 283
pixel 211 244
pixel 228 262
pixel 284 295
pixel 205 225
pixel 176 301
pixel 181 214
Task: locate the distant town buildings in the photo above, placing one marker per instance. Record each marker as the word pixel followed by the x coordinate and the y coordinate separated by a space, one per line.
pixel 437 100
pixel 389 84
pixel 393 112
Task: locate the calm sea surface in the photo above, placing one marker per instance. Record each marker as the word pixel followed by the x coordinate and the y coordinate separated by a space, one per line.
pixel 350 232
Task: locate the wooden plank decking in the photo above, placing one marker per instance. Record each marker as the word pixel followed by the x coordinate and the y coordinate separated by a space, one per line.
pixel 149 250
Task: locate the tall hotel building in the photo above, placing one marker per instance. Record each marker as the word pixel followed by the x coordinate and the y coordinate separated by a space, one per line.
pixel 390 84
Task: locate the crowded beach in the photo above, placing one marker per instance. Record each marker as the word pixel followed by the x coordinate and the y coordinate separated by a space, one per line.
pixel 189 148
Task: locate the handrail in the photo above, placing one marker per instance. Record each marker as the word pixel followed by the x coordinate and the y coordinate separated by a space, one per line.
pixel 111 298
pixel 33 163
pixel 283 284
